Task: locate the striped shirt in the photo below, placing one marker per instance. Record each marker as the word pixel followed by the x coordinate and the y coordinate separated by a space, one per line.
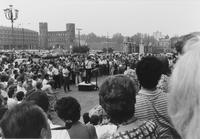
pixel 145 111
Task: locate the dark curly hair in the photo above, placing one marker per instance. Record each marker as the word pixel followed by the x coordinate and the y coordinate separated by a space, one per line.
pixel 149 71
pixel 117 97
pixel 68 109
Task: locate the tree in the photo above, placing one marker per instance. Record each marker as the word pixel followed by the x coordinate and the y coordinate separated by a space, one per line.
pixel 110 50
pixel 104 50
pixel 81 49
pixel 117 37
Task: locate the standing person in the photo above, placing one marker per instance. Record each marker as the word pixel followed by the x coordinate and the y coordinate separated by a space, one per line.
pixel 88 67
pixel 66 74
pixel 151 103
pixel 56 77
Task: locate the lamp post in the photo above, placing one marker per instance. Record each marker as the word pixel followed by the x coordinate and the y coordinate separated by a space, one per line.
pixel 22 35
pixel 79 32
pixel 12 15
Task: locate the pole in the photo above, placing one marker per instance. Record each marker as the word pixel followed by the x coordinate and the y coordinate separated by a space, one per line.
pixel 79 38
pixel 79 43
pixel 12 35
pixel 22 37
pixel 107 42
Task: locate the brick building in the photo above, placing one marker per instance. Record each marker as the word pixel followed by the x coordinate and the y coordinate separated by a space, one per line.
pixel 56 39
pixel 21 38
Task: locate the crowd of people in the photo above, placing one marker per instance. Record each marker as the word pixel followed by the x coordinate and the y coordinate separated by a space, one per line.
pixel 143 96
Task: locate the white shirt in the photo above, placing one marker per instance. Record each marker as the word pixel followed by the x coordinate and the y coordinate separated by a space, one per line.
pixel 19 88
pixel 11 103
pixel 55 71
pixel 58 134
pixel 65 72
pixel 88 64
pixel 103 130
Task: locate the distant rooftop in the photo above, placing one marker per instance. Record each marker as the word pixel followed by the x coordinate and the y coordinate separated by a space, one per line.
pixel 18 29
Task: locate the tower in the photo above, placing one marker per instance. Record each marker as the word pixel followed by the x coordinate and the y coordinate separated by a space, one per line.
pixel 43 39
pixel 70 36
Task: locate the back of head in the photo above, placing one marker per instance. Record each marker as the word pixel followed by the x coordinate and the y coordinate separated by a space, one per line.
pixel 165 65
pixel 117 97
pixel 86 118
pixel 149 70
pixel 39 85
pixel 24 121
pixel 39 98
pixel 94 120
pixel 184 96
pixel 68 109
pixel 20 95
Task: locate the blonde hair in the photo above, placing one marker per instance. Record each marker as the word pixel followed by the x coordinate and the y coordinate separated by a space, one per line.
pixel 184 96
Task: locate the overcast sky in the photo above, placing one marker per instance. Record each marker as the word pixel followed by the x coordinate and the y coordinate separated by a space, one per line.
pixel 173 17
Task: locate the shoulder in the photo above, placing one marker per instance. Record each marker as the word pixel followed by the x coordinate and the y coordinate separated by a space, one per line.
pixel 147 129
pixel 59 134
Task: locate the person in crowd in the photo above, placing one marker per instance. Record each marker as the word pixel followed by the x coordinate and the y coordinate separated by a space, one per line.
pixel 151 103
pixel 42 100
pixel 11 102
pixel 86 118
pixel 25 121
pixel 117 96
pixel 66 77
pixel 56 77
pixel 20 86
pixel 20 97
pixel 69 109
pixel 88 67
pixel 184 107
pixel 164 80
pixel 3 106
pixel 132 75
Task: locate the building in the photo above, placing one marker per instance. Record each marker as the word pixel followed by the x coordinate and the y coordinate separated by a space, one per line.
pixel 164 46
pixel 56 39
pixel 157 35
pixel 20 38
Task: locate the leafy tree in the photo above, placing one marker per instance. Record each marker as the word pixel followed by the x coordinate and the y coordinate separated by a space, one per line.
pixel 81 49
pixel 110 50
pixel 117 37
pixel 104 50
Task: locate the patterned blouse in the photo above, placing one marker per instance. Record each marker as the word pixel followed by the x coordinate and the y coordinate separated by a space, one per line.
pixel 147 130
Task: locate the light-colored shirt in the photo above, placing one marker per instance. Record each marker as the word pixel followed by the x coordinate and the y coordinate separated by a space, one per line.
pixel 58 134
pixel 11 103
pixel 55 71
pixel 88 64
pixel 65 72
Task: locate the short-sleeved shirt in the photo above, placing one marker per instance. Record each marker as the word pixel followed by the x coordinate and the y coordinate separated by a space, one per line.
pixel 147 130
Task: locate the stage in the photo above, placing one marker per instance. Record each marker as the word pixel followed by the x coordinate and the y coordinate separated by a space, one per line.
pixel 87 87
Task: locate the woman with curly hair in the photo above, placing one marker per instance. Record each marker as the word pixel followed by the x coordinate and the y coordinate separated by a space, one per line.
pixel 118 97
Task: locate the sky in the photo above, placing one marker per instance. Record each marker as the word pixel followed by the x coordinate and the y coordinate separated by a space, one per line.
pixel 172 17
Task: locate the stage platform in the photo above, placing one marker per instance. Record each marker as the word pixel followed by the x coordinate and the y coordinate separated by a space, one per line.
pixel 87 87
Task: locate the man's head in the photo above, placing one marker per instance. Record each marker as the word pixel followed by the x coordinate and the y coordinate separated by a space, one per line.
pixel 149 70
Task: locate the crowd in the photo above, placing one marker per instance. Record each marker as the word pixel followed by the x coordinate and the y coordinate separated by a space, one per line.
pixel 145 96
